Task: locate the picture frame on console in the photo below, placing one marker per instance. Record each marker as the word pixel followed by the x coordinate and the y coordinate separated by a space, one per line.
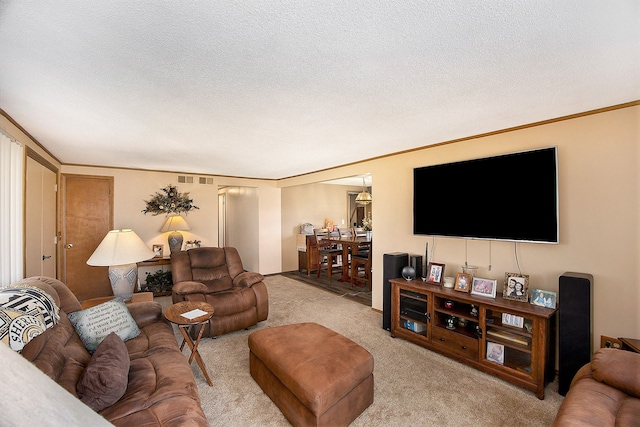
pixel 516 287
pixel 463 281
pixel 435 273
pixel 543 298
pixel 158 251
pixel 495 352
pixel 484 287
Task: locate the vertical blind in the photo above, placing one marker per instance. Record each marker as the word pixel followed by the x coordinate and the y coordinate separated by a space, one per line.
pixel 11 209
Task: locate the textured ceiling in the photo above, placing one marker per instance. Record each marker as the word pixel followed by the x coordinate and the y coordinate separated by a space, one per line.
pixel 273 89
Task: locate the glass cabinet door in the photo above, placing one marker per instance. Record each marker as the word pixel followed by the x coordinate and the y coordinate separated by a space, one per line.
pixel 509 340
pixel 413 311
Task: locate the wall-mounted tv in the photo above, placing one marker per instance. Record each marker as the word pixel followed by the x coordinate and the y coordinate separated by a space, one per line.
pixel 512 197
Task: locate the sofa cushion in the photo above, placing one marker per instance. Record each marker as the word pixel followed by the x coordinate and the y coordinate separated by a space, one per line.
pixel 615 368
pixel 95 323
pixel 105 379
pixel 31 300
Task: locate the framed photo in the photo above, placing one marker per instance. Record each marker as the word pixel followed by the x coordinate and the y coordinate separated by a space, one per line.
pixel 158 250
pixel 435 273
pixel 484 287
pixel 516 287
pixel 495 352
pixel 512 320
pixel 463 282
pixel 543 298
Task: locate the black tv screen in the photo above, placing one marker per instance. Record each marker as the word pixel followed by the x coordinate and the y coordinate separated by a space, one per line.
pixel 511 197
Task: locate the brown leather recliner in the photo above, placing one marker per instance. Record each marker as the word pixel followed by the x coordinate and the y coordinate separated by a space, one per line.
pixel 216 276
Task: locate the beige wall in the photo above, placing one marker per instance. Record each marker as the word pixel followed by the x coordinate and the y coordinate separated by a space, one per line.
pixel 132 188
pixel 599 212
pixel 312 203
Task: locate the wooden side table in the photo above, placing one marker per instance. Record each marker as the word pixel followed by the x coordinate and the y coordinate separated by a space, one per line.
pixel 175 314
pixel 630 344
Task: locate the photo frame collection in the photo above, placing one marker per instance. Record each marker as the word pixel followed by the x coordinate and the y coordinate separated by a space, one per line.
pixel 516 286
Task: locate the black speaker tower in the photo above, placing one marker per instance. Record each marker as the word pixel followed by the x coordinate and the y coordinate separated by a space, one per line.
pixel 392 264
pixel 575 326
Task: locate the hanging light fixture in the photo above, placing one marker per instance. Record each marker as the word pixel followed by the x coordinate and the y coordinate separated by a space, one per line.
pixel 364 198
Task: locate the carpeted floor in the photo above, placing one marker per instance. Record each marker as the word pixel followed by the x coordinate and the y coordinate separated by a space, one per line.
pixel 413 386
pixel 357 292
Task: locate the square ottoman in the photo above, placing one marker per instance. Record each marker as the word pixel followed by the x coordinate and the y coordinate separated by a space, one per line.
pixel 316 376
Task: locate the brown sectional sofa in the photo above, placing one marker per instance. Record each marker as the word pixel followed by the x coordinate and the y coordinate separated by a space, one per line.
pixel 605 392
pixel 161 389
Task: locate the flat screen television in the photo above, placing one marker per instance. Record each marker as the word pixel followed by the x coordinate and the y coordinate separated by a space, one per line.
pixel 511 197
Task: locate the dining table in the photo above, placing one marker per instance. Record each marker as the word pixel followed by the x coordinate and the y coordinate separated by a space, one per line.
pixel 353 244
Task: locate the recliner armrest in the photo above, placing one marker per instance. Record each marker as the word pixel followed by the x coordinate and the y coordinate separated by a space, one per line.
pixel 617 368
pixel 246 279
pixel 190 287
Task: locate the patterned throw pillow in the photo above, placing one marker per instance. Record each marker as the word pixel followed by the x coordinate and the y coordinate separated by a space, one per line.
pixel 95 323
pixel 17 328
pixel 25 312
pixel 31 300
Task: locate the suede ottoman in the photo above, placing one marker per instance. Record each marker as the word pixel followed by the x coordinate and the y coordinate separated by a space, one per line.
pixel 316 376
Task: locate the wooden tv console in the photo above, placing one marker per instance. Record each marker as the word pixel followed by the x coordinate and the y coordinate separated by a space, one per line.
pixel 521 335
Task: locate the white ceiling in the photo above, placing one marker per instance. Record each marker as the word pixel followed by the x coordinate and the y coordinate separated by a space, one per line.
pixel 272 89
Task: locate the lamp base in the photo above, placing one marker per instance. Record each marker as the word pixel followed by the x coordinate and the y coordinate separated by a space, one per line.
pixel 123 280
pixel 175 242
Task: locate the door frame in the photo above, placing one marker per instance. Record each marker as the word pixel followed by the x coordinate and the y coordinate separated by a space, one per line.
pixel 32 154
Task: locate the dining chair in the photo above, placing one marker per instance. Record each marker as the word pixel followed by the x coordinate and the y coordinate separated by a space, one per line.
pixel 326 250
pixel 361 262
pixel 359 231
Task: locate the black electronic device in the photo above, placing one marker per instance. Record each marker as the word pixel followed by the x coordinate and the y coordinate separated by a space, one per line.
pixel 519 194
pixel 575 326
pixel 392 265
pixel 415 261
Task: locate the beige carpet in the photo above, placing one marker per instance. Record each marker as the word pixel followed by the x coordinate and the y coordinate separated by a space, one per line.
pixel 413 386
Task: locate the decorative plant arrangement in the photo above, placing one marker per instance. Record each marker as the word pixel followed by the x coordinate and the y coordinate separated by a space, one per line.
pixel 158 282
pixel 168 201
pixel 367 223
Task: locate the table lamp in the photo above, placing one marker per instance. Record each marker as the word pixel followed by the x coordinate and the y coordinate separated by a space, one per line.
pixel 120 250
pixel 175 223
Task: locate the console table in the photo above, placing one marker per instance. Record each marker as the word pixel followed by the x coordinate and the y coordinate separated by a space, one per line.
pixel 512 340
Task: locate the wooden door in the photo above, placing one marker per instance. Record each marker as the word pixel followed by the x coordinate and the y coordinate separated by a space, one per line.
pixel 87 218
pixel 40 218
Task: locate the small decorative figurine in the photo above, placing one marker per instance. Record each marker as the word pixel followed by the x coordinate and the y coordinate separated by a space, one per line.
pixel 448 304
pixel 451 322
pixel 474 310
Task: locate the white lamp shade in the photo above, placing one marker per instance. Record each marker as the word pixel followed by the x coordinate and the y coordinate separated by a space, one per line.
pixel 120 247
pixel 175 223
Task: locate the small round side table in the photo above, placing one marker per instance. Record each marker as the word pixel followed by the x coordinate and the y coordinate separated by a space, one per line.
pixel 175 314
